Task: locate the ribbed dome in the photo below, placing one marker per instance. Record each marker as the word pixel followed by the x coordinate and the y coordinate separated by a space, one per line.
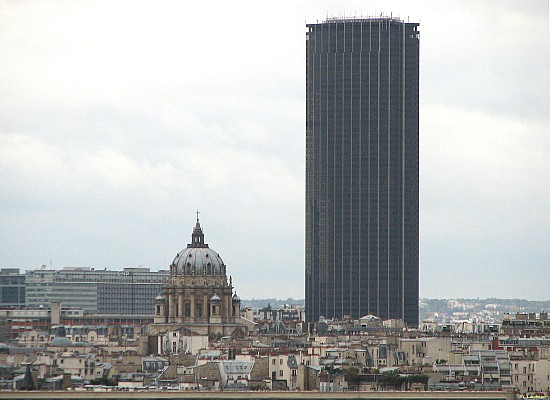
pixel 197 258
pixel 198 261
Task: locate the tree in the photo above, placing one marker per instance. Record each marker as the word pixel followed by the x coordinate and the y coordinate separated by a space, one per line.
pixel 103 381
pixel 419 378
pixel 392 380
pixel 331 369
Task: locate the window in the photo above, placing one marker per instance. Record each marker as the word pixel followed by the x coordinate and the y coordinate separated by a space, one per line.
pixel 273 361
pixel 187 308
pixel 280 372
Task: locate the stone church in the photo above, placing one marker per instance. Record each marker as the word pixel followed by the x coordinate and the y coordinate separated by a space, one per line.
pixel 198 298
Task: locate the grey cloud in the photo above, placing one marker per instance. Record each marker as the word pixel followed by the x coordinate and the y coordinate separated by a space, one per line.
pixel 118 122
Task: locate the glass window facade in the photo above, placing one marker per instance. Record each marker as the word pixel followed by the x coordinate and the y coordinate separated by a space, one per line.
pixel 131 291
pixel 12 288
pixel 362 169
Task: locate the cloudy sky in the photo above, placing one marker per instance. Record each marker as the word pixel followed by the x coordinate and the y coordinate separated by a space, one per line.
pixel 119 119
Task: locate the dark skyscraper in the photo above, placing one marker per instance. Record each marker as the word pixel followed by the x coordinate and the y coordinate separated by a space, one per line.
pixel 362 169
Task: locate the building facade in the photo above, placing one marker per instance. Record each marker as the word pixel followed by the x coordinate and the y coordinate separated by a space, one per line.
pixel 12 288
pixel 362 169
pixel 131 291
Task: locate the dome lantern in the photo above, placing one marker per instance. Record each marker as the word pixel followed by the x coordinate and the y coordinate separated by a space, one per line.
pixel 197 237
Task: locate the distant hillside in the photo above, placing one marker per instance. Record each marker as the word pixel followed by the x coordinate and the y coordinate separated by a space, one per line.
pixel 483 309
pixel 503 305
pixel 443 308
pixel 261 303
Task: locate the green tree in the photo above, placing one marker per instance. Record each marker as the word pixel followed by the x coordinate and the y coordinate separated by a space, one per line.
pixel 419 378
pixel 391 380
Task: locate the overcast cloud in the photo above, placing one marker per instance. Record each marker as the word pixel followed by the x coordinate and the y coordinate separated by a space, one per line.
pixel 119 119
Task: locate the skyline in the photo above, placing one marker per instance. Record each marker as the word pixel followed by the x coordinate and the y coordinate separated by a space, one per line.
pixel 118 122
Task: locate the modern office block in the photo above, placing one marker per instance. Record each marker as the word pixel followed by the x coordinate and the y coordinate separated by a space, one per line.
pixel 362 180
pixel 130 291
pixel 12 288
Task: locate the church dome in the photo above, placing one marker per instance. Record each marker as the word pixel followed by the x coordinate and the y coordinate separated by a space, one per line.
pixel 197 258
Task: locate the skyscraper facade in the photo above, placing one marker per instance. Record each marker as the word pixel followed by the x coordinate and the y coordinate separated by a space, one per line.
pixel 362 169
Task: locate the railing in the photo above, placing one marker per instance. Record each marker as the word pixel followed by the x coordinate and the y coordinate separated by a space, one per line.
pixel 334 20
